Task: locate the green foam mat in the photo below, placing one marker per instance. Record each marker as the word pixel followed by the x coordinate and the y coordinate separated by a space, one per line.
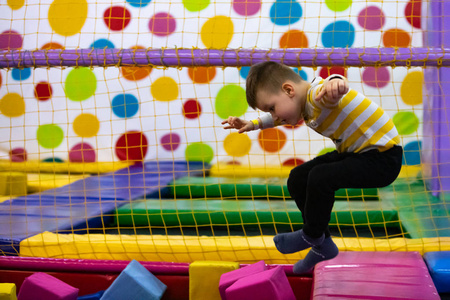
pixel 242 188
pixel 421 214
pixel 169 212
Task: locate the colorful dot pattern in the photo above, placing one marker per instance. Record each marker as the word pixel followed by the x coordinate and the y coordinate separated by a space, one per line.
pixel 146 113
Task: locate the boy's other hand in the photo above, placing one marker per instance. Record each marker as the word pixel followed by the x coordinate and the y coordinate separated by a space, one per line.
pixel 237 123
pixel 333 90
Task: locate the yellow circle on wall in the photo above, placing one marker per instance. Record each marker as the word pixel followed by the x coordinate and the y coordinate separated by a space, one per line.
pixel 236 144
pixel 15 4
pixel 67 17
pixel 164 89
pixel 86 125
pixel 217 32
pixel 411 89
pixel 12 105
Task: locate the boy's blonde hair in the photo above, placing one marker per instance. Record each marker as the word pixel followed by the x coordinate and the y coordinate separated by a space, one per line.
pixel 268 76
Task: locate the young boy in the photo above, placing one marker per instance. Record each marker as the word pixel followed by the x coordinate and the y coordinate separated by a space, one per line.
pixel 367 155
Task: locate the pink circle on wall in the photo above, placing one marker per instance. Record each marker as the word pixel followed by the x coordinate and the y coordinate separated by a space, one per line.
pixel 371 18
pixel 246 7
pixel 10 39
pixel 170 141
pixel 376 77
pixel 162 24
pixel 18 155
pixel 82 152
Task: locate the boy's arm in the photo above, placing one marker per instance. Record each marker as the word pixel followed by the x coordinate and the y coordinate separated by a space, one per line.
pixel 331 91
pixel 263 122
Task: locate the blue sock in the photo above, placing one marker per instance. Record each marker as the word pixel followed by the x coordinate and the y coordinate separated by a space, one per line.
pixel 292 242
pixel 327 250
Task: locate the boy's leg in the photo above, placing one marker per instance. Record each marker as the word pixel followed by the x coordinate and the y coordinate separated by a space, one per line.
pixel 297 184
pixel 365 170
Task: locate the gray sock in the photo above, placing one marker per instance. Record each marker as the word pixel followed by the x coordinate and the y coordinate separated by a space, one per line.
pixel 292 242
pixel 327 250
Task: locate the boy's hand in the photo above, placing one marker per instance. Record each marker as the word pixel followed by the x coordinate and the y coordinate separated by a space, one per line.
pixel 333 90
pixel 237 123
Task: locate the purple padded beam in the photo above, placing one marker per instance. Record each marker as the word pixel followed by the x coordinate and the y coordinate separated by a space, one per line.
pixel 436 110
pixel 355 57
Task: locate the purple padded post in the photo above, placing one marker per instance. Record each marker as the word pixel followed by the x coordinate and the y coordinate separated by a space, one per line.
pixel 436 96
pixel 41 286
pixel 268 285
pixel 227 279
pixel 375 276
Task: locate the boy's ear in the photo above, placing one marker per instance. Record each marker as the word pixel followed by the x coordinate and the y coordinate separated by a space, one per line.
pixel 288 89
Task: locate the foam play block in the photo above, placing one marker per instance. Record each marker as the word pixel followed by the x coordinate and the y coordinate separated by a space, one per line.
pixel 135 282
pixel 13 183
pixel 96 296
pixel 374 275
pixel 439 267
pixel 267 285
pixel 41 286
pixel 8 291
pixel 204 278
pixel 227 279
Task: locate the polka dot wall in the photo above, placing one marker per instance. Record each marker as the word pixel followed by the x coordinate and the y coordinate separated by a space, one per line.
pixel 129 113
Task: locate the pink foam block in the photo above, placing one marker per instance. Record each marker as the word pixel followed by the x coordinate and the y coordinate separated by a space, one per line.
pixel 41 286
pixel 267 285
pixel 227 279
pixel 375 276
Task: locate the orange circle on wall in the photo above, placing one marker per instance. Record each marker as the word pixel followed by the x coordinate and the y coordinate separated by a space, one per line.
pixel 396 38
pixel 272 139
pixel 52 45
pixel 294 39
pixel 136 73
pixel 202 74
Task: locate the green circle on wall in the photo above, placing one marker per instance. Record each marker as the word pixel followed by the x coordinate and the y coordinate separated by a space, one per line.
pixel 81 84
pixel 231 101
pixel 326 150
pixel 338 5
pixel 406 122
pixel 199 152
pixel 195 5
pixel 49 136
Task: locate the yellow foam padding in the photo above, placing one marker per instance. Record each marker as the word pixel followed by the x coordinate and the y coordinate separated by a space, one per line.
pixel 8 291
pixel 191 248
pixel 13 183
pixel 46 181
pixel 224 170
pixel 204 278
pixel 64 167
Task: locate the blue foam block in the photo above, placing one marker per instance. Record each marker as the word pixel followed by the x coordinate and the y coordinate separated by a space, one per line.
pixel 439 267
pixel 135 282
pixel 96 296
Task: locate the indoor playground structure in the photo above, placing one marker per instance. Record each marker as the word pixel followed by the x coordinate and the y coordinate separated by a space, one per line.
pixel 118 181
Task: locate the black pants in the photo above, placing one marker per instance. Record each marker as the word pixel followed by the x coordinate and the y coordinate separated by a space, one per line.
pixel 313 184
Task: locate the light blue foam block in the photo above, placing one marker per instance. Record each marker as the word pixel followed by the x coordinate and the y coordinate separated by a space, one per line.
pixel 135 282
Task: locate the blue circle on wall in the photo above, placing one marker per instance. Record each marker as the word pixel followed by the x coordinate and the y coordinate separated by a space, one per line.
pixel 244 72
pixel 285 12
pixel 102 44
pixel 138 3
pixel 125 105
pixel 339 34
pixel 411 153
pixel 21 74
pixel 302 73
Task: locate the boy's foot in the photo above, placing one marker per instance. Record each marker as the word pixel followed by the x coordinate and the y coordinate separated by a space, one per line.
pixel 292 242
pixel 327 250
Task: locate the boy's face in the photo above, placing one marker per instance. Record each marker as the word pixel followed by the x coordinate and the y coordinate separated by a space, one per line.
pixel 285 106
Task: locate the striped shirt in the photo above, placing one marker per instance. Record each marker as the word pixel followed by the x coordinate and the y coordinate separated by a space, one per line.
pixel 355 124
